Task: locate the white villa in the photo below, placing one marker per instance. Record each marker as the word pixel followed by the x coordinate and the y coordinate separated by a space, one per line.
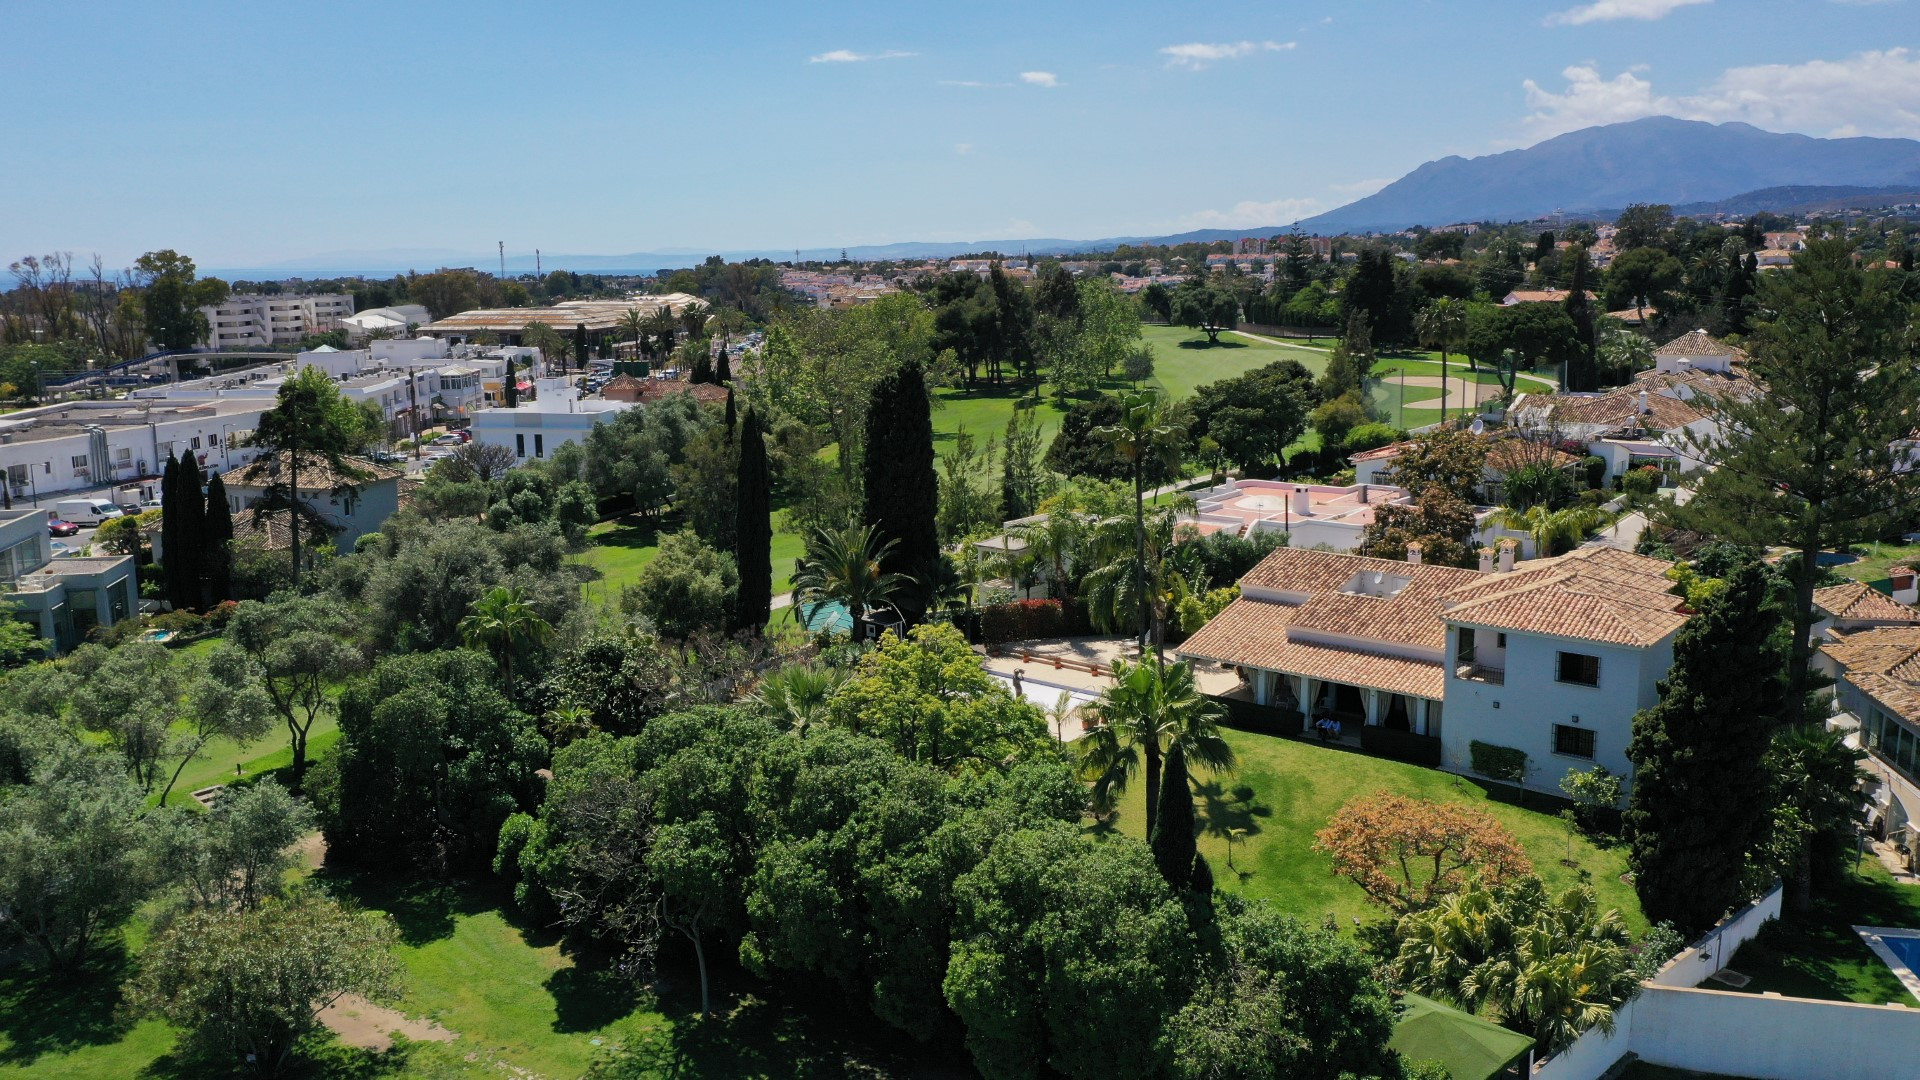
pixel 1551 658
pixel 1648 421
pixel 1869 644
pixel 1313 515
pixel 61 598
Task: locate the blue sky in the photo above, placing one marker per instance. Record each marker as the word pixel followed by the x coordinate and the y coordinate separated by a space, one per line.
pixel 246 134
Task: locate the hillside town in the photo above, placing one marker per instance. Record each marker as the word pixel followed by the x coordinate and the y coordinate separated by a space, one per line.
pixel 1394 645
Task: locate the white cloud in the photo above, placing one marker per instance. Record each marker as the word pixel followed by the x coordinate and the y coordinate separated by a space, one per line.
pixel 963 148
pixel 1198 54
pixel 1609 10
pixel 1248 214
pixel 1875 92
pixel 1040 78
pixel 848 56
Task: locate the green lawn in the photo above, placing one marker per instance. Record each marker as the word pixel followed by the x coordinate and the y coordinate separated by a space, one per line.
pixel 1183 361
pixel 520 1003
pixel 621 548
pixel 1816 954
pixel 1285 790
pixel 1876 559
pixel 215 765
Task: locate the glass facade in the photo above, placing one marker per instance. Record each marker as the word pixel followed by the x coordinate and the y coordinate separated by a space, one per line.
pixel 1895 742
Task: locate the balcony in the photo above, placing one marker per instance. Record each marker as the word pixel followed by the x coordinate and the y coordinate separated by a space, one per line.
pixel 1472 670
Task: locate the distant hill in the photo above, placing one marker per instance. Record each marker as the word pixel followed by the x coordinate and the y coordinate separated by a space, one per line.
pixel 1805 199
pixel 1658 159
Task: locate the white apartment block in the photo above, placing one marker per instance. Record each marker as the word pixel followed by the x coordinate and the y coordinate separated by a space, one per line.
pixel 249 321
pixel 87 445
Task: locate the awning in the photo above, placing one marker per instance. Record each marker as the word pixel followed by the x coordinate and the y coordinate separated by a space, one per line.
pixel 1471 1048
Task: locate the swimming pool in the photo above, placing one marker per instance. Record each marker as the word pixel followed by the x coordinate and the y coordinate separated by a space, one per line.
pixel 1899 949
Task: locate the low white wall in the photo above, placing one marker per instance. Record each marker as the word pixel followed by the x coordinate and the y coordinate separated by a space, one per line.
pixel 1763 1036
pixel 1775 1038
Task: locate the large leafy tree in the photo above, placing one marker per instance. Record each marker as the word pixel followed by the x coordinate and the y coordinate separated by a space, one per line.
pixel 1282 1001
pixel 1406 853
pixel 901 489
pixel 929 698
pixel 689 589
pixel 74 857
pixel 1205 307
pixel 301 646
pixel 1817 811
pixel 1440 521
pixel 1701 795
pixel 313 426
pixel 249 984
pixel 1822 458
pixel 431 759
pixel 131 696
pixel 1067 956
pixel 1254 417
pixel 171 298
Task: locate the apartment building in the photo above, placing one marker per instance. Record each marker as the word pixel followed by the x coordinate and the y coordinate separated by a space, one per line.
pixel 62 598
pixel 251 321
pixel 86 445
pixel 1550 658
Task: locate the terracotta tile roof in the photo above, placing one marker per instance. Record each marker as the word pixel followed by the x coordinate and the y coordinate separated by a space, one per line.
pixel 1391 450
pixel 1857 601
pixel 1698 343
pixel 1619 407
pixel 1598 594
pixel 1539 296
pixel 1885 663
pixel 1506 455
pixel 315 474
pixel 661 389
pixel 1314 579
pixel 1253 633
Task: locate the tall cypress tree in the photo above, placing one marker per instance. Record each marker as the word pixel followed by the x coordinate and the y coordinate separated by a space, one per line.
pixel 171 542
pixel 753 528
pixel 1583 372
pixel 189 562
pixel 1174 850
pixel 510 387
pixel 902 491
pixel 1701 796
pixel 733 418
pixel 722 368
pixel 580 345
pixel 218 540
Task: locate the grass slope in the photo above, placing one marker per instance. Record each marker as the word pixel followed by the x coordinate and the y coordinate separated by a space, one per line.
pixel 1285 790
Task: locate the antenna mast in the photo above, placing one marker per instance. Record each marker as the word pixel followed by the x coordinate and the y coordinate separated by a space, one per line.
pixel 503 259
pixel 536 262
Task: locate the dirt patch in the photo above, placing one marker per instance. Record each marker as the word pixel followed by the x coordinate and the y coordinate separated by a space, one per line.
pixel 1458 390
pixel 361 1023
pixel 312 849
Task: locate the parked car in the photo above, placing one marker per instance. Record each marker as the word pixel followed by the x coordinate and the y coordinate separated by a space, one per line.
pixel 462 434
pixel 387 457
pixel 449 439
pixel 60 527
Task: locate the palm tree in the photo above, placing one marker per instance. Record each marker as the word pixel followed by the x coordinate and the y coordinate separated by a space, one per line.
pixel 1819 778
pixel 844 565
pixel 501 622
pixel 693 319
pixel 1622 351
pixel 1553 531
pixel 1149 709
pixel 634 325
pixel 1056 543
pixel 942 589
pixel 1146 435
pixel 795 697
pixel 662 328
pixel 553 347
pixel 1114 575
pixel 1443 325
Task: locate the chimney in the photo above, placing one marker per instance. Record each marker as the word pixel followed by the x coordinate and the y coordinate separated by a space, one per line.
pixel 1363 494
pixel 1906 589
pixel 1506 554
pixel 1643 403
pixel 1486 560
pixel 1302 502
pixel 1413 552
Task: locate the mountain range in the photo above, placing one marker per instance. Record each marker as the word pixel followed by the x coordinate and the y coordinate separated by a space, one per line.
pixel 1697 167
pixel 1656 159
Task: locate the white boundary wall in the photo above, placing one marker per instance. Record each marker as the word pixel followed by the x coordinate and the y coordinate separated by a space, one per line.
pixel 1763 1036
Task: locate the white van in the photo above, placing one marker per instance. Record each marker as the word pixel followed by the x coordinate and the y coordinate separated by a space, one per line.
pixel 86 511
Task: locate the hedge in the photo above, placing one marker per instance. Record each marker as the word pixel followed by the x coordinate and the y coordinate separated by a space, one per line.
pixel 1023 620
pixel 1499 762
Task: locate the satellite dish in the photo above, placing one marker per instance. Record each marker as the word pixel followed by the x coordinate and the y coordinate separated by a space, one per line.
pixel 1478 427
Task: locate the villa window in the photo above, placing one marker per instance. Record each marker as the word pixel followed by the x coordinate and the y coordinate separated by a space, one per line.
pixel 1573 741
pixel 539 446
pixel 1577 668
pixel 520 442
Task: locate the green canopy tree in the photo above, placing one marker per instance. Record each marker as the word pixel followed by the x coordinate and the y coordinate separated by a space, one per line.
pixel 845 566
pixel 312 426
pixel 1820 460
pixel 171 298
